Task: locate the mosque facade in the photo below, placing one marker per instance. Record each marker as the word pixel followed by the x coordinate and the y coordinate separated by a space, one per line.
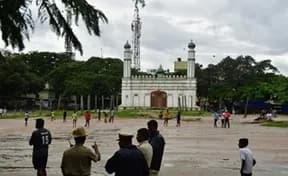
pixel 159 90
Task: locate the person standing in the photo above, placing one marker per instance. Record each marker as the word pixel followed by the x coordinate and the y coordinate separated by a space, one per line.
pixel 246 155
pixel 87 116
pixel 41 138
pixel 158 143
pixel 74 119
pixel 144 145
pixel 178 118
pixel 76 161
pixel 167 115
pixel 128 160
pixel 99 114
pixel 112 115
pixel 52 115
pixel 227 116
pixel 26 117
pixel 160 114
pixel 64 116
pixel 105 116
pixel 215 118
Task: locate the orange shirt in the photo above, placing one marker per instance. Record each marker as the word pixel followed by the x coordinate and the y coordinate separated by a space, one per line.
pixel 87 116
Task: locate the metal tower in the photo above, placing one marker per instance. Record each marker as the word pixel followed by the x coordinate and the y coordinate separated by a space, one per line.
pixel 136 34
pixel 68 44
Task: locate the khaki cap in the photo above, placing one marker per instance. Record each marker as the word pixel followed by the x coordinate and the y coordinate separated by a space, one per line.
pixel 79 132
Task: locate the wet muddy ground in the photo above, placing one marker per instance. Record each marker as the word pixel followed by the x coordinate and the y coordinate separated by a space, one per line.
pixel 194 149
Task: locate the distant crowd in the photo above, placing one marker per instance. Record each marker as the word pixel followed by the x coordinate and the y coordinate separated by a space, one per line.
pixel 224 116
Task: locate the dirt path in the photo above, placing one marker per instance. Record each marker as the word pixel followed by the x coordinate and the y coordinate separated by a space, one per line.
pixel 194 149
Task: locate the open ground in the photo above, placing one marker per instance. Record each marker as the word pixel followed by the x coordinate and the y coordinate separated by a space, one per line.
pixel 194 149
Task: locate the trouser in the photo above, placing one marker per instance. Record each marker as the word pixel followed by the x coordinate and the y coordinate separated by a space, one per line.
pixel 111 119
pixel 87 123
pixel 153 173
pixel 41 172
pixel 26 121
pixel 178 123
pixel 243 174
pixel 215 122
pixel 222 123
pixel 165 121
pixel 74 123
pixel 227 123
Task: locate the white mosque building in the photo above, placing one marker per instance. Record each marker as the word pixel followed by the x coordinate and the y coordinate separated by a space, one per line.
pixel 160 90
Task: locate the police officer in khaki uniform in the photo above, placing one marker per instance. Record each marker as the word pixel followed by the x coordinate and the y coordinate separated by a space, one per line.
pixel 76 160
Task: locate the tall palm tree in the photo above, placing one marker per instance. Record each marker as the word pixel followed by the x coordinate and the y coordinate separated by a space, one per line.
pixel 16 20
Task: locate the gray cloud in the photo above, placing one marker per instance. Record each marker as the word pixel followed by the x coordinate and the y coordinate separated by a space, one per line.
pixel 218 27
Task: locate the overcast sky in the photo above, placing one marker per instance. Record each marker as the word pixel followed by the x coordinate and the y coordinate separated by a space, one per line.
pixel 218 27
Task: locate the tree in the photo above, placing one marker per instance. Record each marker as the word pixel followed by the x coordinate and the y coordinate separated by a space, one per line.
pixel 238 79
pixel 16 20
pixel 97 76
pixel 17 79
pixel 42 63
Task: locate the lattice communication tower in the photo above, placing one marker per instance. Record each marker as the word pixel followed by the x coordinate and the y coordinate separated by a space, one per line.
pixel 136 34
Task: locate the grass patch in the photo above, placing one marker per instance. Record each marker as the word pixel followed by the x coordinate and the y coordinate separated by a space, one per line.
pixel 43 113
pixel 128 113
pixel 196 113
pixel 280 124
pixel 150 113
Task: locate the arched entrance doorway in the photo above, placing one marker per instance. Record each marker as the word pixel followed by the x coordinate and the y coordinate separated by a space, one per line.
pixel 158 99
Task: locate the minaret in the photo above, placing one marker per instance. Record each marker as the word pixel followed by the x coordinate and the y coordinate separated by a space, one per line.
pixel 127 60
pixel 191 60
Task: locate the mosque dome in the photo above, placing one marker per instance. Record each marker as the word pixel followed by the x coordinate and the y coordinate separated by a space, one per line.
pixel 191 45
pixel 127 45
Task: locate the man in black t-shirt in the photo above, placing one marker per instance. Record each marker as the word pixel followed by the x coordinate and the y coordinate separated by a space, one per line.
pixel 40 140
pixel 158 144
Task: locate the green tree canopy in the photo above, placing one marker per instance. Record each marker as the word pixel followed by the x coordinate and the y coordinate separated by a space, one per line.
pixel 17 78
pixel 238 79
pixel 17 22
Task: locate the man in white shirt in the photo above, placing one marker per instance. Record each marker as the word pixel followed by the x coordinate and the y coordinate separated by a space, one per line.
pixel 144 145
pixel 247 160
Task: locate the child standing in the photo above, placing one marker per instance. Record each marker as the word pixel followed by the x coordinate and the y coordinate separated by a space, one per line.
pixel 247 160
pixel 167 115
pixel 215 116
pixel 52 115
pixel 227 117
pixel 178 118
pixel 87 116
pixel 74 118
pixel 105 116
pixel 64 116
pixel 26 116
